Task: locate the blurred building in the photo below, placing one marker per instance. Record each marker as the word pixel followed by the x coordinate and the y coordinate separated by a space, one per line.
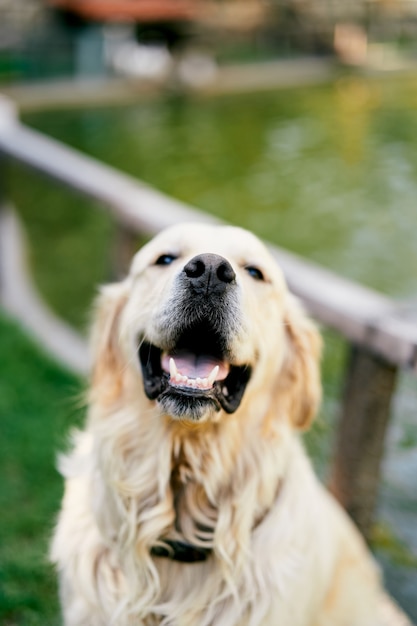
pixel 47 38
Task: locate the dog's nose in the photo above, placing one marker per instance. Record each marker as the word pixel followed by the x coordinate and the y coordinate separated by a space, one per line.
pixel 209 272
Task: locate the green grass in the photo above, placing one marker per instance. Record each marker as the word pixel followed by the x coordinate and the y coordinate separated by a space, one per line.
pixel 38 403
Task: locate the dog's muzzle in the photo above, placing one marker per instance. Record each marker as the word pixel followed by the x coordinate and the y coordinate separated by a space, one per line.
pixel 191 370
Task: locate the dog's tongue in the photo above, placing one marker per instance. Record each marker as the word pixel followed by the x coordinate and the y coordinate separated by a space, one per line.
pixel 196 365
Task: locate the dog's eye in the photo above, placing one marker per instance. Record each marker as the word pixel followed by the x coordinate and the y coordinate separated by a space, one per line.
pixel 165 259
pixel 255 272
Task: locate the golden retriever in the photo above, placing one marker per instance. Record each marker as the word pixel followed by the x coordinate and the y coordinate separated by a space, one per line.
pixel 189 499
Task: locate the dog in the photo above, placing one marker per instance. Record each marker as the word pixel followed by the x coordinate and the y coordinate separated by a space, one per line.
pixel 189 499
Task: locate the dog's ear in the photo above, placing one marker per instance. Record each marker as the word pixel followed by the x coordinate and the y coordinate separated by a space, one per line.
pixel 107 363
pixel 300 376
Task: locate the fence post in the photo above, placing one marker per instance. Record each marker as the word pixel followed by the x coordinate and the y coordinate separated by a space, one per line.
pixel 365 412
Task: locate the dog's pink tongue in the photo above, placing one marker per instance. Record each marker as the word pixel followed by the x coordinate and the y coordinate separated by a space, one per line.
pixel 196 366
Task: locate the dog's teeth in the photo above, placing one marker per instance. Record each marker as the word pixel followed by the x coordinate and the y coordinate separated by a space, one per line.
pixel 175 375
pixel 177 378
pixel 212 376
pixel 172 368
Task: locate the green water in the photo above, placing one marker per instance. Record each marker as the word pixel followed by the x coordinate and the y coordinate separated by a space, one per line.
pixel 328 172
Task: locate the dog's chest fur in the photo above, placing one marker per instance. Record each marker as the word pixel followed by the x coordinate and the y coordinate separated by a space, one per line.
pixel 192 499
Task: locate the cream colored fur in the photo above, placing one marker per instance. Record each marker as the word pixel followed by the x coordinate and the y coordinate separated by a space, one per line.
pixel 283 552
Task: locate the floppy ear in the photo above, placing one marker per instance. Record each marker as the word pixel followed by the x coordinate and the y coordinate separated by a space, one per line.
pixel 107 363
pixel 300 375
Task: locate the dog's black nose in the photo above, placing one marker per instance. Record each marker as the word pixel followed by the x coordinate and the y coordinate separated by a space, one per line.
pixel 209 272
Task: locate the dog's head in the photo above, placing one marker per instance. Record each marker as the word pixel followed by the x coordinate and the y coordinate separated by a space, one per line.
pixel 204 317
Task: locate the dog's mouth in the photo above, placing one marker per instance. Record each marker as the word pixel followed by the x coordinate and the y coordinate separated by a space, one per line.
pixel 193 375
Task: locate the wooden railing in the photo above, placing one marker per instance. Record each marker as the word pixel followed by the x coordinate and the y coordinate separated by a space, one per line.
pixel 381 340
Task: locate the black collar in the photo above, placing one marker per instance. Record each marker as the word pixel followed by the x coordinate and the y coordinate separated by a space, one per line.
pixel 180 551
pixel 186 552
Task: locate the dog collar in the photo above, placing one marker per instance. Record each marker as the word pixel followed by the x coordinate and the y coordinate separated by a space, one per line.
pixel 180 551
pixel 188 553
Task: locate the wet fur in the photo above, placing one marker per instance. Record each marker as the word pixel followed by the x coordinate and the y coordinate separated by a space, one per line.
pixel 283 552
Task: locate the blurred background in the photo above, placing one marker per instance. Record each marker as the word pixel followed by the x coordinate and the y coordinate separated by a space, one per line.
pixel 294 118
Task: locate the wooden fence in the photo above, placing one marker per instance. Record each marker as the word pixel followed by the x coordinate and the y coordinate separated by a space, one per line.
pixel 381 340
